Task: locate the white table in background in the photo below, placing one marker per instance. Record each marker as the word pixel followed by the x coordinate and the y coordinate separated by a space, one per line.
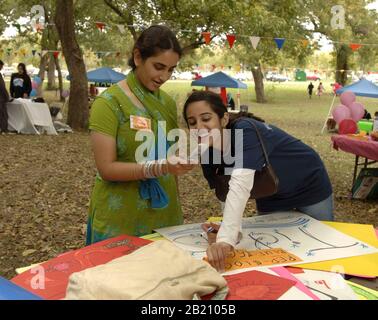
pixel 24 116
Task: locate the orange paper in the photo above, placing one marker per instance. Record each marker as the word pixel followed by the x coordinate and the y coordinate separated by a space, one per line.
pixel 241 259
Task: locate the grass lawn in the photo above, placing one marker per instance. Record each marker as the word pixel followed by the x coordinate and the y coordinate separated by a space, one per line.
pixel 45 182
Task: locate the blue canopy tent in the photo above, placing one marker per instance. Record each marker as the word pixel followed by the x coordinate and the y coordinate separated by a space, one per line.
pixel 104 75
pixel 220 80
pixel 361 88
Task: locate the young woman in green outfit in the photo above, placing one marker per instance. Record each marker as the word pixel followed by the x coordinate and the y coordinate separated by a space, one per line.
pixel 130 197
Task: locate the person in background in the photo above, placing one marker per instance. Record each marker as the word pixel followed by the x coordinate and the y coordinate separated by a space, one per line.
pixel 367 115
pixel 310 88
pixel 20 84
pixel 230 101
pixel 4 98
pixel 93 91
pixel 320 89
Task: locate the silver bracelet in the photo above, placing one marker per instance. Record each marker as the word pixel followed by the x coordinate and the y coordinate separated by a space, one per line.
pixel 154 169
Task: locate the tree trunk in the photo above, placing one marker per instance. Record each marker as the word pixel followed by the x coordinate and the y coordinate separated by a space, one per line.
pixel 78 111
pixel 42 67
pixel 258 77
pixel 51 74
pixel 60 78
pixel 342 55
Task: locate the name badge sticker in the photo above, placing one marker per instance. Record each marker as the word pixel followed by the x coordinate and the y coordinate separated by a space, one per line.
pixel 140 123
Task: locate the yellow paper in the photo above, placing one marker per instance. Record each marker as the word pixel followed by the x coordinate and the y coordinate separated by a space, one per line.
pixel 23 269
pixel 153 237
pixel 362 292
pixel 366 265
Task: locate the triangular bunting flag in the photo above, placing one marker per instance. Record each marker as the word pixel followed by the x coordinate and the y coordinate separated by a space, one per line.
pixel 254 41
pixel 100 26
pixel 355 46
pixel 231 39
pixel 121 28
pixel 9 51
pixel 44 52
pixel 207 37
pixel 305 43
pixel 56 54
pixel 118 54
pixel 34 52
pixel 279 42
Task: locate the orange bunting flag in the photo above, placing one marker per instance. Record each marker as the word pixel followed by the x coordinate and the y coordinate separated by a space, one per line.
pixel 100 26
pixel 355 46
pixel 231 39
pixel 305 43
pixel 207 37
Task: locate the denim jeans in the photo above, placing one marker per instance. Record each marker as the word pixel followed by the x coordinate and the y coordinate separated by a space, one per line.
pixel 322 210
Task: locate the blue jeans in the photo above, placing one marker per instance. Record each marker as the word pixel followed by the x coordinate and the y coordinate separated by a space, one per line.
pixel 322 210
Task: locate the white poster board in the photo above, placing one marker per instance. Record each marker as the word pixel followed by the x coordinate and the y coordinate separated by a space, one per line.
pixel 308 239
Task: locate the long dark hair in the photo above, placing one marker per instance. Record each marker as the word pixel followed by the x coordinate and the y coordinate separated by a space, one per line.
pixel 216 103
pixel 154 40
pixel 22 65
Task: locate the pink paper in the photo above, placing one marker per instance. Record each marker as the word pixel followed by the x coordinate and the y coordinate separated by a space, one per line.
pixel 281 271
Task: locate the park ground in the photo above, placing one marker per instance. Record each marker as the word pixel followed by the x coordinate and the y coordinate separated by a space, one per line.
pixel 46 181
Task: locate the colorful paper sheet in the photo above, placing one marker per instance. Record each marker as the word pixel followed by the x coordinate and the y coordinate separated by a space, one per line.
pixel 326 285
pixel 256 285
pixel 366 265
pixel 242 259
pixel 362 292
pixel 283 272
pixel 49 280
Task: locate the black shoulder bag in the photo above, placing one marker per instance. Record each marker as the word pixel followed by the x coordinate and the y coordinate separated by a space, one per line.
pixel 265 181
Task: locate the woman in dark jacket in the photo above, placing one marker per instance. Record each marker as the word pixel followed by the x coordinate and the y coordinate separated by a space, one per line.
pixel 20 84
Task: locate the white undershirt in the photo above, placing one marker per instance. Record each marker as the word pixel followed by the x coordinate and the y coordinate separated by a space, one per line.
pixel 240 186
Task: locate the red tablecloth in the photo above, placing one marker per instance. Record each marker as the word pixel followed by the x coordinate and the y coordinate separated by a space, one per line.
pixel 366 149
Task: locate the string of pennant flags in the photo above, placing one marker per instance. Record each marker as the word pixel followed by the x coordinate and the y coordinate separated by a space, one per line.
pixel 56 53
pixel 231 38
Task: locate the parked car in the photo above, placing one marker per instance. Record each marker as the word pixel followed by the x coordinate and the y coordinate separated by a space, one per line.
pixel 313 77
pixel 242 76
pixel 373 77
pixel 275 77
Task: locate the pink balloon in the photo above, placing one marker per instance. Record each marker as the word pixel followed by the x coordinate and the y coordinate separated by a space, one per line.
pixel 34 85
pixel 347 98
pixel 357 111
pixel 340 113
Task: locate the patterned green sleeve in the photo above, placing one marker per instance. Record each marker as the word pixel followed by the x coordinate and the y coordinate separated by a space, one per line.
pixel 103 119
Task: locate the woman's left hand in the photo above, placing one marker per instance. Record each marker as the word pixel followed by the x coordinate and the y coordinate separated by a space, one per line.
pixel 217 254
